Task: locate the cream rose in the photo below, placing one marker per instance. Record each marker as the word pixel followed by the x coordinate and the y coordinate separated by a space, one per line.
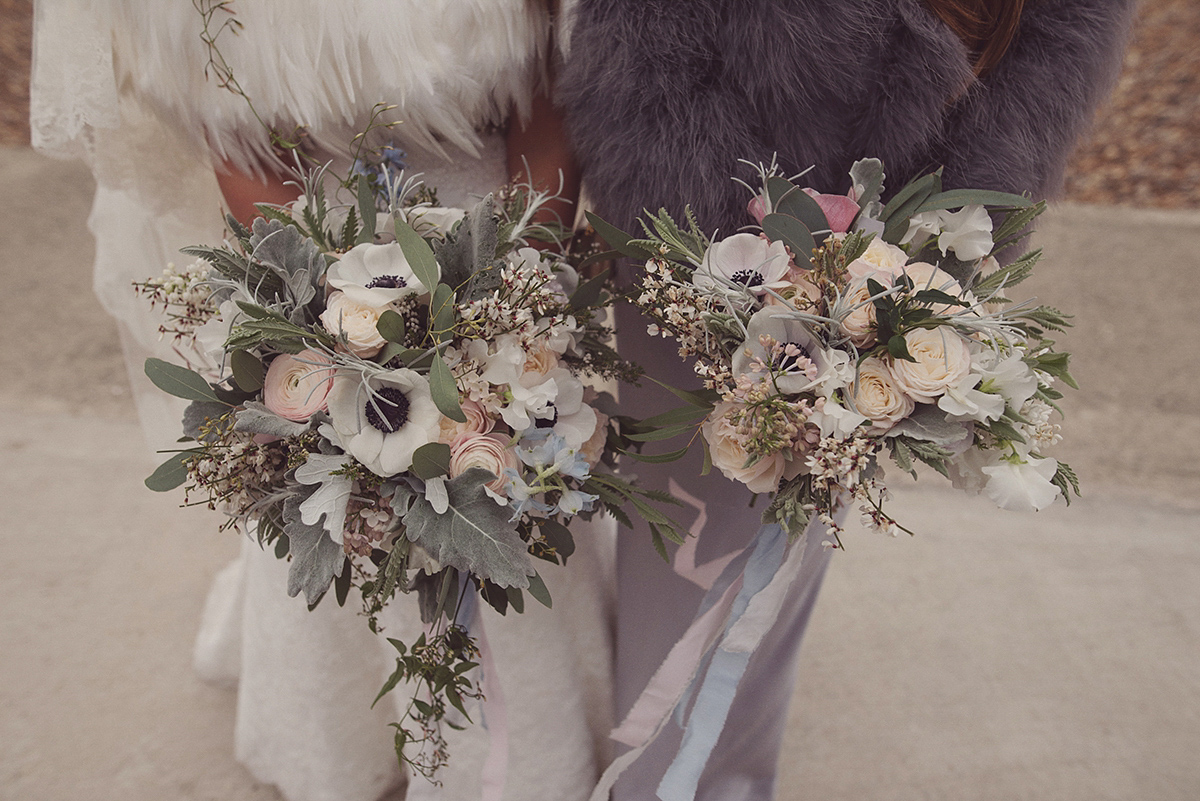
pixel 489 451
pixel 296 387
pixel 728 451
pixel 478 422
pixel 879 257
pixel 541 361
pixel 877 397
pixel 927 276
pixel 799 292
pixel 859 324
pixel 593 449
pixel 942 360
pixel 357 322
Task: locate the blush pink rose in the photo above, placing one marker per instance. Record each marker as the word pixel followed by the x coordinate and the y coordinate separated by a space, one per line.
pixel 296 387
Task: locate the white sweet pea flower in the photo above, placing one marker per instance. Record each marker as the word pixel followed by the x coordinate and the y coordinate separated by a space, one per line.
pixel 967 232
pixel 1023 486
pixel 374 275
pixel 1010 377
pixel 963 401
pixel 383 427
pixel 210 338
pixel 835 420
pixel 529 394
pixel 921 227
pixel 746 260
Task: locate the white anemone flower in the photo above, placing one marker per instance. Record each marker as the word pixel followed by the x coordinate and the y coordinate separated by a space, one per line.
pixel 775 322
pixel 374 275
pixel 382 420
pixel 746 260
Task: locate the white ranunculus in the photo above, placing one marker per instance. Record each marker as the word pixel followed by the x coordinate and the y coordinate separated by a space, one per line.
pixel 374 275
pixel 967 232
pixel 745 260
pixel 358 323
pixel 877 396
pixel 1023 487
pixel 942 360
pixel 382 428
pixel 729 453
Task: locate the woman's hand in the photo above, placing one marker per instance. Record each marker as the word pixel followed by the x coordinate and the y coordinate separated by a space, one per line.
pixel 242 191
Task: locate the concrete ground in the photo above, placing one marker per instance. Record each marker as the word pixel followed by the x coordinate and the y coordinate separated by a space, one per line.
pixel 995 656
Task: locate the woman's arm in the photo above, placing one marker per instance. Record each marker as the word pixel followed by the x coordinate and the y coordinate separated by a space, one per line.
pixel 242 191
pixel 538 151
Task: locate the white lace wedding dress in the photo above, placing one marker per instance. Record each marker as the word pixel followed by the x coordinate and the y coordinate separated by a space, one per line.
pixel 121 83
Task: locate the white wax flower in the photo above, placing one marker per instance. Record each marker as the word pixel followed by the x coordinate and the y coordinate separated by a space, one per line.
pixel 1022 487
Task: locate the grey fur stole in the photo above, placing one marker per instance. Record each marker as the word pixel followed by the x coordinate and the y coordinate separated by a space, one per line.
pixel 663 96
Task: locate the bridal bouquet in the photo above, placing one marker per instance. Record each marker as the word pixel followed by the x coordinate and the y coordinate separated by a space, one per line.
pixel 849 329
pixel 391 394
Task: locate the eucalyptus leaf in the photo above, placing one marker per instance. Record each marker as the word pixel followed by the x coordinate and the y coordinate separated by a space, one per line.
pixel 537 588
pixel 444 390
pixel 793 233
pixel 441 308
pixel 588 293
pixel 391 328
pixel 787 198
pixel 558 537
pixel 179 381
pixel 418 253
pixel 516 599
pixel 657 458
pixel 431 460
pixel 475 534
pixel 247 370
pixel 170 474
pixel 957 198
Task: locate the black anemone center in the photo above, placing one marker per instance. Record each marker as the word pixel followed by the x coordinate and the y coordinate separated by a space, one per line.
pixel 387 282
pixel 388 410
pixel 547 422
pixel 747 277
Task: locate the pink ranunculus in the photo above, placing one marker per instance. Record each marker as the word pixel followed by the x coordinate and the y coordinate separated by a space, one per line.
pixel 840 210
pixel 492 452
pixel 295 387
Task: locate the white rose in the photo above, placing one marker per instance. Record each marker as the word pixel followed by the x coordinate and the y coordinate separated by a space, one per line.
pixel 879 257
pixel 927 276
pixel 942 359
pixel 357 322
pixel 877 396
pixel 492 452
pixel 729 453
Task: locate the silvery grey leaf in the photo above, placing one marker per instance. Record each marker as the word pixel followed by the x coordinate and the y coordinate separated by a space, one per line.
pixel 197 413
pixel 294 258
pixel 256 418
pixel 316 559
pixel 929 423
pixel 475 534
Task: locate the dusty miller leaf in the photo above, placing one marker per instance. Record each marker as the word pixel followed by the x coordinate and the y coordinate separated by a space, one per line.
pixel 258 419
pixel 475 534
pixel 316 559
pixel 929 423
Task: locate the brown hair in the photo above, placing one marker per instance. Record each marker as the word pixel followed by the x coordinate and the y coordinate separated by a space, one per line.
pixel 987 27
